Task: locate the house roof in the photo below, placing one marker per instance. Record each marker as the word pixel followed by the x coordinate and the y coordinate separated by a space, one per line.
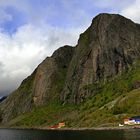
pixel 135 117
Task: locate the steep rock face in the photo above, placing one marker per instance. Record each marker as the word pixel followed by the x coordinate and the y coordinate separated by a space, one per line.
pixel 50 76
pixel 107 48
pixel 43 86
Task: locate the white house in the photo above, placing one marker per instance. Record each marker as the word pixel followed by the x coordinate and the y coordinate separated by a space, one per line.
pixel 132 120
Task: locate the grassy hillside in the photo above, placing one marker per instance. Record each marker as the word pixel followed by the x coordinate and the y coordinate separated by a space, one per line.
pixel 114 100
pixel 44 116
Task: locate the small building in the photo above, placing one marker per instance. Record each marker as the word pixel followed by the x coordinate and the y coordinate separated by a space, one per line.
pixel 126 121
pixel 60 125
pixel 54 127
pixel 136 119
pixel 132 121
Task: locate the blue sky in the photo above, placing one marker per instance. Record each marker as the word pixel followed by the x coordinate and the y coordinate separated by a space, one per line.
pixel 58 13
pixel 30 30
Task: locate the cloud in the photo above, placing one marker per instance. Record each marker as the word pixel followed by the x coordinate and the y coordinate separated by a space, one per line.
pixel 132 11
pixel 21 52
pixel 47 26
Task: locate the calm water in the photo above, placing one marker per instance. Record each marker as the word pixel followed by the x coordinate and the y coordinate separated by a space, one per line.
pixel 9 134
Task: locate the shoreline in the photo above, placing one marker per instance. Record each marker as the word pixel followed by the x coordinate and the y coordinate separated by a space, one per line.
pixel 74 129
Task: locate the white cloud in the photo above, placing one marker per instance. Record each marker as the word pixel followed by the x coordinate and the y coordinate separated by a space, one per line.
pixel 132 11
pixel 23 51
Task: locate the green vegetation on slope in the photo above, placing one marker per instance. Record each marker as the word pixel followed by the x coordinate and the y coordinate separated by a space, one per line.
pixel 113 101
pixel 44 116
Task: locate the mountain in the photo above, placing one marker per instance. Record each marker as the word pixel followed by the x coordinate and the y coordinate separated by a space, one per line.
pixel 95 83
pixel 3 98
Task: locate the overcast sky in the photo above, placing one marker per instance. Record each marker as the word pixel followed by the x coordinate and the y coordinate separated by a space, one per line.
pixel 30 30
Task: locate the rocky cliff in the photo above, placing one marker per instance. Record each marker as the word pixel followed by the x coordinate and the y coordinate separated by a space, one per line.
pixel 107 49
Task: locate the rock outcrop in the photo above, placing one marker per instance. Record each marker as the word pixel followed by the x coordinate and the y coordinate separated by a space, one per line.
pixel 107 48
pixel 110 46
pixel 50 76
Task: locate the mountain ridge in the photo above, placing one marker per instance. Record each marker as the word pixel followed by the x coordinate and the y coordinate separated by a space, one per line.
pixel 106 52
pixel 100 36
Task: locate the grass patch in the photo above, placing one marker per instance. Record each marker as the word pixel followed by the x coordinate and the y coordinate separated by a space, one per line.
pixel 43 116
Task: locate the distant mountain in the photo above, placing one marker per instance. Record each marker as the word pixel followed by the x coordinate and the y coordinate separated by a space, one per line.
pixel 95 83
pixel 3 98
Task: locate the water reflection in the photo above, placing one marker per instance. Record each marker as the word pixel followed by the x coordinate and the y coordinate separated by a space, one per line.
pixel 131 134
pixel 9 134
